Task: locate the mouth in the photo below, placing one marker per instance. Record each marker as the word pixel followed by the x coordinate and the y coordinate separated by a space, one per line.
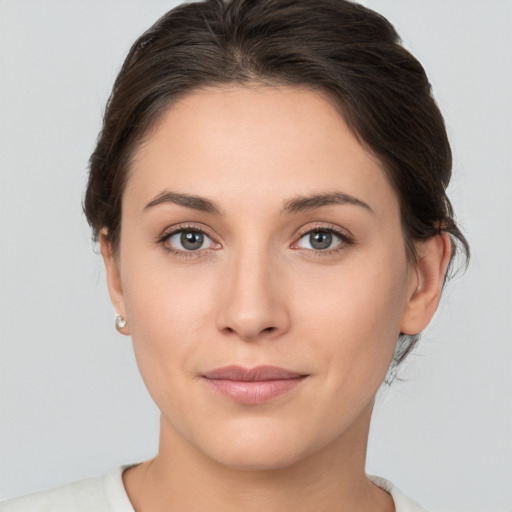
pixel 252 386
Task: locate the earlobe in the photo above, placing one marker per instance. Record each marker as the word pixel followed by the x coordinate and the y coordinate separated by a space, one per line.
pixel 113 275
pixel 431 266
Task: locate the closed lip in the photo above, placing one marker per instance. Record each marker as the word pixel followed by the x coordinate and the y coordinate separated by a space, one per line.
pixel 252 386
pixel 260 373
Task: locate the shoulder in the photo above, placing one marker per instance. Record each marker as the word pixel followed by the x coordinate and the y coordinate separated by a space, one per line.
pixel 74 497
pixel 104 494
pixel 402 502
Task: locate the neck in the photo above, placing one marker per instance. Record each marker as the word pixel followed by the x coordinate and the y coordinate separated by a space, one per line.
pixel 332 479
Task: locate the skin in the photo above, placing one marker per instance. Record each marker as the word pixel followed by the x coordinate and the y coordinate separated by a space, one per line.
pixel 258 292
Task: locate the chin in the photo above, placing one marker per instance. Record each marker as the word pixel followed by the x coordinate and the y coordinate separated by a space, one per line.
pixel 258 458
pixel 259 447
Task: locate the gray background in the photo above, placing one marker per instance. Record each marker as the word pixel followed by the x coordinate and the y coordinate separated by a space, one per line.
pixel 71 402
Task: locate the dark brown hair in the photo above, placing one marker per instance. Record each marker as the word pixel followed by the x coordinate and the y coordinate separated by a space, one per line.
pixel 349 53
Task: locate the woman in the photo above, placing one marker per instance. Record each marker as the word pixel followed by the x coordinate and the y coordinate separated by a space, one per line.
pixel 268 192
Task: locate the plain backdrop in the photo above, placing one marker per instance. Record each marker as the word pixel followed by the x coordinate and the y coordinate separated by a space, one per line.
pixel 72 404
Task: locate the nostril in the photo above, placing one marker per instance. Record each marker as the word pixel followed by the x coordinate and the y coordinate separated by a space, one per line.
pixel 249 335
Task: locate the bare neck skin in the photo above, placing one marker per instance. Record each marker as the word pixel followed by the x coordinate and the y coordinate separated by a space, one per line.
pixel 332 479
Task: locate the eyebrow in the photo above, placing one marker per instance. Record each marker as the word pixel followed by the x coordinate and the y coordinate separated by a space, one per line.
pixel 297 204
pixel 305 203
pixel 186 200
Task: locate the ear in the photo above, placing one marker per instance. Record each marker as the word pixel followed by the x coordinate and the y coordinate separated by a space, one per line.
pixel 114 285
pixel 433 257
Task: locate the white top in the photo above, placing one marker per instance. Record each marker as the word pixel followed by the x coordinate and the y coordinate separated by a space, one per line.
pixel 107 494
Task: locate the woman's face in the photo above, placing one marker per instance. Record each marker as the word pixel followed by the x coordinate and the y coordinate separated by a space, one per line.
pixel 257 232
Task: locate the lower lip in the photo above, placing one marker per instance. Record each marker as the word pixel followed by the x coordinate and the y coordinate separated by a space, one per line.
pixel 253 392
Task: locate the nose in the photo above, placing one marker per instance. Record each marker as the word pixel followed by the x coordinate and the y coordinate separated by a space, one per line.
pixel 252 304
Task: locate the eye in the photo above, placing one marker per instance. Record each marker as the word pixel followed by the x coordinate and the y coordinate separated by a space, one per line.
pixel 188 240
pixel 322 240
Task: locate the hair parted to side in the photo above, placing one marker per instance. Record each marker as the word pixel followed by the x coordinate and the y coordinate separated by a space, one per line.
pixel 350 54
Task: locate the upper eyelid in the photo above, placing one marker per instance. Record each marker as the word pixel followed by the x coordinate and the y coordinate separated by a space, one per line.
pixel 345 233
pixel 303 231
pixel 170 231
pixel 341 237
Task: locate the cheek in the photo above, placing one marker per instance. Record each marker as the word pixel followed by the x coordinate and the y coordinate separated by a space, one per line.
pixel 167 310
pixel 355 312
pixel 170 311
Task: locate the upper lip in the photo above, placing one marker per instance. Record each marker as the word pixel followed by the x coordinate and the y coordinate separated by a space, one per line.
pixel 259 373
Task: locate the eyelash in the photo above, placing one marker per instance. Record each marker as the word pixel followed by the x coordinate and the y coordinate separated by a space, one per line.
pixel 345 240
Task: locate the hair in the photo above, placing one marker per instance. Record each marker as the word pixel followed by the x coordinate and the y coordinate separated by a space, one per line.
pixel 349 53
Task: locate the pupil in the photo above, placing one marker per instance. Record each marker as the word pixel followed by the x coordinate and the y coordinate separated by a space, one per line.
pixel 191 240
pixel 320 240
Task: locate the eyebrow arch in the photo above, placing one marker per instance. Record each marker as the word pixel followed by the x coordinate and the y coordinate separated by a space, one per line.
pixel 186 200
pixel 305 203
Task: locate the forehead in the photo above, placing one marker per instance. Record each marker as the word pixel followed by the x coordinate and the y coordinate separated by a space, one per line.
pixel 260 141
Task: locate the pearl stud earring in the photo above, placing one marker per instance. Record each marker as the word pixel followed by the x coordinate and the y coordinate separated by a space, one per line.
pixel 120 323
